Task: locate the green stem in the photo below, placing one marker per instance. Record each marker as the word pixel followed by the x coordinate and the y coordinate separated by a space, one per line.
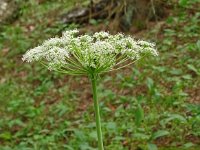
pixel 97 112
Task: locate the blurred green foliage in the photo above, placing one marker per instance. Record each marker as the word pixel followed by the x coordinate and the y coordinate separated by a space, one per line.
pixel 152 105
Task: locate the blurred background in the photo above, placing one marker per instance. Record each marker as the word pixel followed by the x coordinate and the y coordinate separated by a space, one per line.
pixel 153 104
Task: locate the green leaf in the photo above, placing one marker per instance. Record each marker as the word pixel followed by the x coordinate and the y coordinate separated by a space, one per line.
pixel 175 71
pixel 139 115
pixel 152 146
pixel 159 68
pixel 68 147
pixel 198 44
pixel 191 67
pixel 85 146
pixel 141 136
pixel 158 134
pixel 173 117
pixel 80 135
pixel 187 77
pixel 119 138
pixel 93 135
pixel 93 22
pixel 150 83
pixel 188 145
pixel 183 2
pixel 6 136
pixel 111 126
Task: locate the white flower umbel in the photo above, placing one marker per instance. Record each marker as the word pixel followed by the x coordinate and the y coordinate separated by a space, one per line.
pixel 81 55
pixel 90 55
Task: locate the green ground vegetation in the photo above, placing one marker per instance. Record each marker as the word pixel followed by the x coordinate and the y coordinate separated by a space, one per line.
pixel 154 104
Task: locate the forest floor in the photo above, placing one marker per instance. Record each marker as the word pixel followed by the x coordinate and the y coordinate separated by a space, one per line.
pixel 43 110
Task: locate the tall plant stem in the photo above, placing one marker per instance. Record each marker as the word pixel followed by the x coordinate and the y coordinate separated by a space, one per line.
pixel 97 112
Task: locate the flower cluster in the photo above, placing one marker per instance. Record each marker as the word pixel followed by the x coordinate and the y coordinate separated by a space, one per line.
pixel 100 52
